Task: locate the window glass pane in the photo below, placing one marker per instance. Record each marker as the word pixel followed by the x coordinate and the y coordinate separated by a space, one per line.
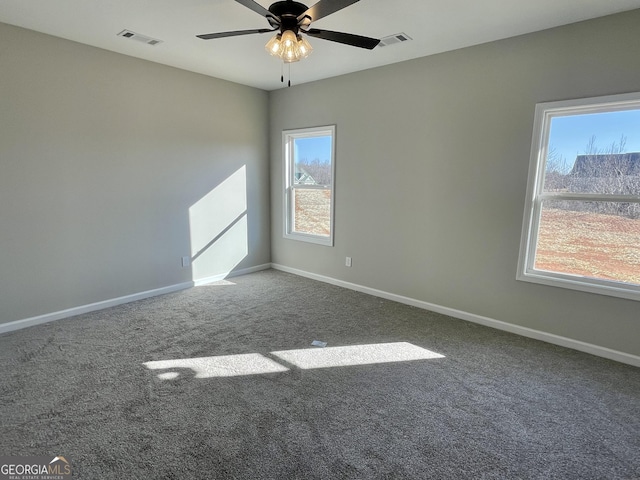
pixel 597 153
pixel 592 239
pixel 312 212
pixel 312 160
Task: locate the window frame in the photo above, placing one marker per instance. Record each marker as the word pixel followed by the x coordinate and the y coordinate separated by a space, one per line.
pixel 544 113
pixel 288 138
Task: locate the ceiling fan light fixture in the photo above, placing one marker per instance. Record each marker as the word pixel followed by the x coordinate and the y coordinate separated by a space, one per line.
pixel 289 46
pixel 292 18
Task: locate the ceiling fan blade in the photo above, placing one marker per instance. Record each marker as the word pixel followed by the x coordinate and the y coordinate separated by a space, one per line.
pixel 235 33
pixel 324 8
pixel 256 7
pixel 346 38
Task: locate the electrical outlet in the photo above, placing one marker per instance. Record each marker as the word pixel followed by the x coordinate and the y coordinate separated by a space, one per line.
pixel 347 262
pixel 186 261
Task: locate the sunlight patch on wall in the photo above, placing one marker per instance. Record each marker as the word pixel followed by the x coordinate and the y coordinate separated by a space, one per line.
pixel 256 364
pixel 218 227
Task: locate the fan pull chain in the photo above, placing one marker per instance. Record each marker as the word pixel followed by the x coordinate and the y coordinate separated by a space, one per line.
pixel 288 74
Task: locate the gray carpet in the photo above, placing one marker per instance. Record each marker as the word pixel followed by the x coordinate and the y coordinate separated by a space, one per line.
pixel 495 405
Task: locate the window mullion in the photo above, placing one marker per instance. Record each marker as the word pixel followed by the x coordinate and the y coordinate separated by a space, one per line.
pixel 302 186
pixel 589 197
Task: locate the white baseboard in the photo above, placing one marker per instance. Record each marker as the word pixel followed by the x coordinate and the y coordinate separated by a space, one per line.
pixel 471 317
pixel 70 312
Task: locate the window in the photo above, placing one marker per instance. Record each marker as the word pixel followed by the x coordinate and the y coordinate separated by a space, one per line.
pixel 309 175
pixel 582 215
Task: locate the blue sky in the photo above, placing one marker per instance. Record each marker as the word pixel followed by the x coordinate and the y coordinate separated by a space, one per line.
pixel 569 135
pixel 311 148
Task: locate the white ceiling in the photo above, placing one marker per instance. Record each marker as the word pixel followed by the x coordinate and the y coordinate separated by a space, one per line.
pixel 434 25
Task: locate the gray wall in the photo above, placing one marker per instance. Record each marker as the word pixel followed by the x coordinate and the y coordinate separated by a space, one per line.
pixel 432 159
pixel 104 162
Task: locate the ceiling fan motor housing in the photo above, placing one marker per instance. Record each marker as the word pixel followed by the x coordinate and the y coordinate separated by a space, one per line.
pixel 288 12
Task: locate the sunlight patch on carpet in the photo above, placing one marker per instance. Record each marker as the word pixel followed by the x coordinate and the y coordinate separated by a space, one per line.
pixel 356 355
pixel 256 364
pixel 222 366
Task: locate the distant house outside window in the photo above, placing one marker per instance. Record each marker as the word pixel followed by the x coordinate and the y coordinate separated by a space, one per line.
pixel 582 215
pixel 309 168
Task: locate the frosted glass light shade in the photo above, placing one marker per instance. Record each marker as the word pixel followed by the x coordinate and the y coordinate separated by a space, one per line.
pixel 290 49
pixel 305 47
pixel 274 45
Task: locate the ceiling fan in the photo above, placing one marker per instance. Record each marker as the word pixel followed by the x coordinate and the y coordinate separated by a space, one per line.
pixel 291 19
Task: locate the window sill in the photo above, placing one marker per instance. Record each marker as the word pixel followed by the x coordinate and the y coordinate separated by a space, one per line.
pixel 583 284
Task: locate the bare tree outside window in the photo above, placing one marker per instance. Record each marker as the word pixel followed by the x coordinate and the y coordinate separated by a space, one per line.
pixel 610 170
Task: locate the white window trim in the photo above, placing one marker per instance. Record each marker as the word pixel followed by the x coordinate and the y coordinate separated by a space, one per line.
pixel 543 114
pixel 288 136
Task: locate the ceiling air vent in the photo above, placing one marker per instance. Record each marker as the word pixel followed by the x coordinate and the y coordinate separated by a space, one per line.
pixel 392 39
pixel 140 38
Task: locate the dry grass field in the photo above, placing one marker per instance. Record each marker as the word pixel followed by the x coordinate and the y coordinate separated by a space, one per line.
pixel 589 244
pixel 313 211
